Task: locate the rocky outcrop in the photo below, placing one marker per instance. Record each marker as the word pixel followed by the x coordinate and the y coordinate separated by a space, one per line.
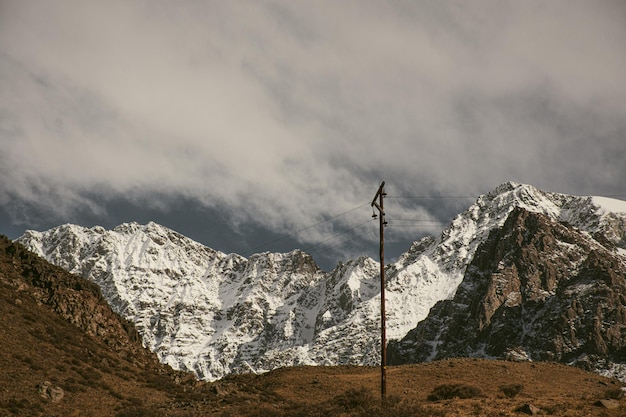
pixel 73 298
pixel 537 289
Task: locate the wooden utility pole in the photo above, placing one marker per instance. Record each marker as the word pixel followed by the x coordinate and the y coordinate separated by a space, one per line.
pixel 380 194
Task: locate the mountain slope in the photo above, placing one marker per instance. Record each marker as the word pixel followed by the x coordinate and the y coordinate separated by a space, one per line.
pixel 65 352
pixel 214 314
pixel 536 289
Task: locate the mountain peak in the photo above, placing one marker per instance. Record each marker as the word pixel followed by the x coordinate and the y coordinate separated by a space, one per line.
pixel 506 187
pixel 536 286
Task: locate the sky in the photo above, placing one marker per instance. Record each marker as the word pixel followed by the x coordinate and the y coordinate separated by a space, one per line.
pixel 255 126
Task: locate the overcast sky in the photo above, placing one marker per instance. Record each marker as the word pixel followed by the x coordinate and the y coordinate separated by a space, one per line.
pixel 241 123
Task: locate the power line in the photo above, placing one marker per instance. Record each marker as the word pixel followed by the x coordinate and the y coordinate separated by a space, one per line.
pixel 416 197
pixel 392 222
pixel 394 225
pixel 291 235
pixel 253 249
pixel 334 236
pixel 328 248
pixel 415 220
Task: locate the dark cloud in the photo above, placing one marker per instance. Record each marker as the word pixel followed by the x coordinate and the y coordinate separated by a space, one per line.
pixel 267 117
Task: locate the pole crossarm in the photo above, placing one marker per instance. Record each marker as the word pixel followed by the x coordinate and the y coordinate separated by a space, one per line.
pixel 380 192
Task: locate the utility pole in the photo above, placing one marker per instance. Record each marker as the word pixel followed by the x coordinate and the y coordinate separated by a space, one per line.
pixel 380 194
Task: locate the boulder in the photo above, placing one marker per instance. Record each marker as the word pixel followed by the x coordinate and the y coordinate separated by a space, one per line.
pixel 50 392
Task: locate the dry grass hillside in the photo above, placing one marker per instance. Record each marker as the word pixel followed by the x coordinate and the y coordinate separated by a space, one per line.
pixel 457 387
pixel 64 356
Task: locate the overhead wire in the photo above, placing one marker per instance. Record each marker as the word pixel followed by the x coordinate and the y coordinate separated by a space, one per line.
pixel 334 236
pixel 416 197
pixel 392 222
pixel 291 235
pixel 411 222
pixel 473 196
pixel 414 220
pixel 343 242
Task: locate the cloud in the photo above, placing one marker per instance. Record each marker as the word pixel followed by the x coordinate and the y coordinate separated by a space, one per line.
pixel 287 113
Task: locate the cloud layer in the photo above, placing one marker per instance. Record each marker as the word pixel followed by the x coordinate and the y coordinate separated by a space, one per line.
pixel 286 113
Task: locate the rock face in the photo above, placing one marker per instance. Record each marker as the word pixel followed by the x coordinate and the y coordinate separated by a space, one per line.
pixel 61 340
pixel 214 314
pixel 73 298
pixel 536 289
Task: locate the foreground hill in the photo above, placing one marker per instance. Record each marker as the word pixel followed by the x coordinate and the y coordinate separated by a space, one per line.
pixel 455 387
pixel 64 351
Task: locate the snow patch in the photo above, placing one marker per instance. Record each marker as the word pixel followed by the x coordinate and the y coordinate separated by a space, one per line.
pixel 610 205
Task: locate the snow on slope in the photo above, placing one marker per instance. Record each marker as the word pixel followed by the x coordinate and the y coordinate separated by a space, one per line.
pixel 609 205
pixel 214 314
pixel 431 270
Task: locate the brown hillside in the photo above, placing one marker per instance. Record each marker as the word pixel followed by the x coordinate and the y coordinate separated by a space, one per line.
pixel 492 388
pixel 58 332
pixel 66 354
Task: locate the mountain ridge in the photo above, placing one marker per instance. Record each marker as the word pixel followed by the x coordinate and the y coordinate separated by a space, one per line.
pixel 214 314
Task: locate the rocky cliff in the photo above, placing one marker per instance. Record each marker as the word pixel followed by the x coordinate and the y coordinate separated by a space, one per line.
pixel 73 298
pixel 536 289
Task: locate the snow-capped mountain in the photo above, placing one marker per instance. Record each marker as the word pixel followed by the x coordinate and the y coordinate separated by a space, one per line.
pixel 214 314
pixel 536 289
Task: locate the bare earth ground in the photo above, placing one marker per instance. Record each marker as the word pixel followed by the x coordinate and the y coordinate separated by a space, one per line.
pixel 37 346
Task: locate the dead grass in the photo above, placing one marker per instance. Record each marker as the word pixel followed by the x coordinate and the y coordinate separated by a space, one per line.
pixel 459 387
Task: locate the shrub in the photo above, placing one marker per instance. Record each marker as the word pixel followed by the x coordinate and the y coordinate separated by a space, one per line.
pixel 614 393
pixel 450 391
pixel 354 398
pixel 511 390
pixel 362 403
